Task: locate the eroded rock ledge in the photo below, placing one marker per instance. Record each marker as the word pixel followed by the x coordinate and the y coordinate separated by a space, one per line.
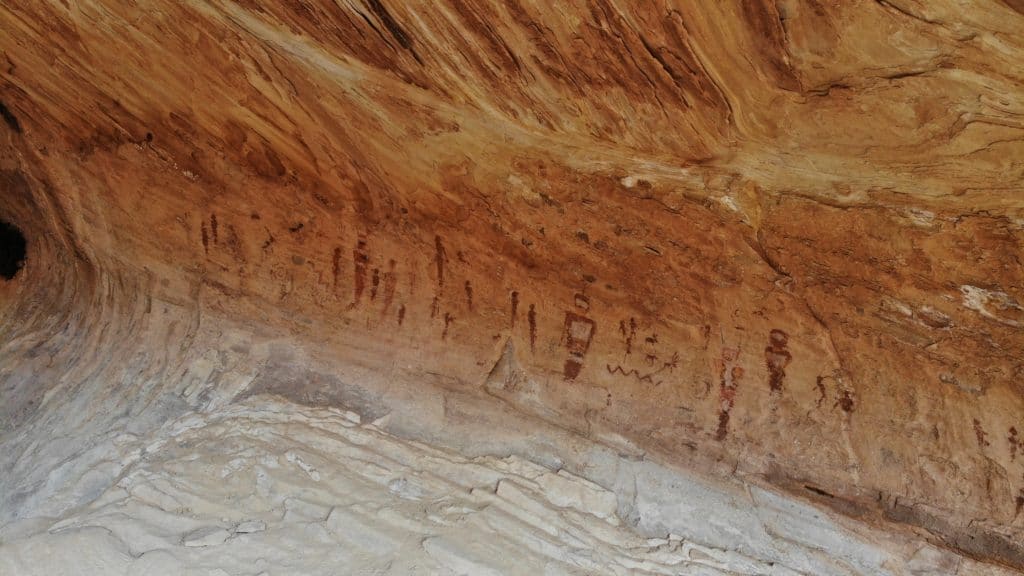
pixel 775 240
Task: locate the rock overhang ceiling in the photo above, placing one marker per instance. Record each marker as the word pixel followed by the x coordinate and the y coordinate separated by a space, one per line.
pixel 780 239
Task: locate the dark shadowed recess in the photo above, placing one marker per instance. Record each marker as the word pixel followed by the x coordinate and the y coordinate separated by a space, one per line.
pixel 12 250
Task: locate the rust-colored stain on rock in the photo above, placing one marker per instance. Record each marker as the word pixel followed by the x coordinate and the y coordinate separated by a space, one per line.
pixel 786 237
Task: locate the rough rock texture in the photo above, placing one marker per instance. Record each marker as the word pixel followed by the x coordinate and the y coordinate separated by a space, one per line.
pixel 251 485
pixel 771 240
pixel 268 487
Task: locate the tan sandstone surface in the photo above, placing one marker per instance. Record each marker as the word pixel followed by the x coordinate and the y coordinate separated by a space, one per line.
pixel 774 242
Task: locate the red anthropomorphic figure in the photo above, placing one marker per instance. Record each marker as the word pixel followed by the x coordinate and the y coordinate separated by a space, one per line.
pixel 579 331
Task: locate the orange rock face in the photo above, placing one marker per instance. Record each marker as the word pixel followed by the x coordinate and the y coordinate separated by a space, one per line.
pixel 778 239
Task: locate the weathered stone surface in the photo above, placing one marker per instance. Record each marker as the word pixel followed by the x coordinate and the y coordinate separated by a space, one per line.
pixel 482 515
pixel 779 240
pixel 205 536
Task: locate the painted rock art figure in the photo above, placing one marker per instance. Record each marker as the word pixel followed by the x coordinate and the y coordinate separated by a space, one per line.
pixel 628 334
pixel 729 376
pixel 335 267
pixel 845 401
pixel 579 331
pixel 819 383
pixel 531 316
pixel 980 434
pixel 515 308
pixel 390 285
pixel 776 358
pixel 360 260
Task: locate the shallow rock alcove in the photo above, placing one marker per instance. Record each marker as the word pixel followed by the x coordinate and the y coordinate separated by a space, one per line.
pixel 512 286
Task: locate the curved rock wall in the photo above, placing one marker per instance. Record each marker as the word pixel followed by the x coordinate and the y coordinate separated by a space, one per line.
pixel 778 240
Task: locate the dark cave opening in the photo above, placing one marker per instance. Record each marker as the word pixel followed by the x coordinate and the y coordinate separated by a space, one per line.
pixel 12 250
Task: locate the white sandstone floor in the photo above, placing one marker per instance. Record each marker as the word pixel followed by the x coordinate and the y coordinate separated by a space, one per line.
pixel 267 487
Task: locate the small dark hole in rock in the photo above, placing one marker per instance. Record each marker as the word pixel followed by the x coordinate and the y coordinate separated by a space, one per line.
pixel 149 136
pixel 12 250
